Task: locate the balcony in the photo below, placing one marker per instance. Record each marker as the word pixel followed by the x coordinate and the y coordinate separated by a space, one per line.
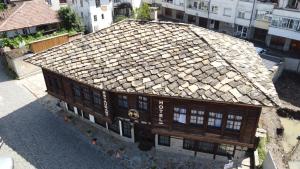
pixel 173 4
pixel 197 9
pixel 285 23
pixel 263 15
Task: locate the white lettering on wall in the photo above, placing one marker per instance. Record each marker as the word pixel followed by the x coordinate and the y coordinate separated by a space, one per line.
pixel 105 103
pixel 160 111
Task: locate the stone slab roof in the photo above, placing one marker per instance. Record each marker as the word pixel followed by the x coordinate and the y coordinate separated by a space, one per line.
pixel 166 59
pixel 27 14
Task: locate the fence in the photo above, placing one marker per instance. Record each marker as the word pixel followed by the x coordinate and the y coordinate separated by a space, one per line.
pixel 44 44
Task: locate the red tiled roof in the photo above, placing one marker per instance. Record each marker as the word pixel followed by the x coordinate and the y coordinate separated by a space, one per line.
pixel 30 13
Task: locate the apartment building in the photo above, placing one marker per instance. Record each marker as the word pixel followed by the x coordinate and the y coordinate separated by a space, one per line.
pixel 267 21
pixel 95 14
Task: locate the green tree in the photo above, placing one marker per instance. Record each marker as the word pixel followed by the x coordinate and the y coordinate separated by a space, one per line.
pixel 143 12
pixel 70 20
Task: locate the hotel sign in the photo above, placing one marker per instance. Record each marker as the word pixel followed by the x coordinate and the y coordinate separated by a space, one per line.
pixel 105 103
pixel 160 111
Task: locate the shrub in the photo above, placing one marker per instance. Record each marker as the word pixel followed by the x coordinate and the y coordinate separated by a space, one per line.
pixel 143 12
pixel 70 20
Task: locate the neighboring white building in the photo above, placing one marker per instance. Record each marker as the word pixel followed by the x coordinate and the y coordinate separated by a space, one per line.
pixel 57 4
pixel 275 22
pixel 95 14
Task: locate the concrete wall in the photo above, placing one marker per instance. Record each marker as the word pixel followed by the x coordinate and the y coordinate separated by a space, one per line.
pixel 268 162
pixel 292 64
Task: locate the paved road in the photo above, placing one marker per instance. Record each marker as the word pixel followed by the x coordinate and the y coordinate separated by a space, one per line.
pixel 35 138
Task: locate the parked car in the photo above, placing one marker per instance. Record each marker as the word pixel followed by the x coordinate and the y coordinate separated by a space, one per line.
pixel 260 50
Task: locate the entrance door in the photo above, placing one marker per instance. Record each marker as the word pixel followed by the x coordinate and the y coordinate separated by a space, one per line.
pixel 143 135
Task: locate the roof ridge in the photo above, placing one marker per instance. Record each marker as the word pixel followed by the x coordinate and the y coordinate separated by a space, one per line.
pixel 228 62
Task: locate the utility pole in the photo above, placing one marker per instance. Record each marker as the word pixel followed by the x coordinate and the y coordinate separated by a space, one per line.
pixel 208 20
pixel 252 18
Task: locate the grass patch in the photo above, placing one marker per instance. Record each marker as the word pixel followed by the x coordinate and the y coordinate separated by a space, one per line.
pixel 261 149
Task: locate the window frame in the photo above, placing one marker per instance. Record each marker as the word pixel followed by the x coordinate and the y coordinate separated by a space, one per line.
pixel 86 93
pixel 214 118
pixel 164 140
pixel 122 102
pixel 125 130
pixel 76 91
pixel 99 97
pixel 98 3
pixel 234 121
pixel 143 102
pixel 197 116
pixel 179 113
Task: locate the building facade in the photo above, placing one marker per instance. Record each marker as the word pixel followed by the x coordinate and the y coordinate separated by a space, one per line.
pixel 268 21
pixel 176 87
pixel 95 14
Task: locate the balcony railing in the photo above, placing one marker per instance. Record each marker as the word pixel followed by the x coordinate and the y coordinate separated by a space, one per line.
pixel 292 24
pixel 174 3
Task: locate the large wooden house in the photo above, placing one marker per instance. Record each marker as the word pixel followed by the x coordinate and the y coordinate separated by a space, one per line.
pixel 176 86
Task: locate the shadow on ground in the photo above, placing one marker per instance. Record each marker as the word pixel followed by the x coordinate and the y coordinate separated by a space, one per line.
pixel 288 88
pixel 47 142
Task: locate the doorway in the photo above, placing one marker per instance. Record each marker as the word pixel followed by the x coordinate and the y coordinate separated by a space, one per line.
pixel 144 136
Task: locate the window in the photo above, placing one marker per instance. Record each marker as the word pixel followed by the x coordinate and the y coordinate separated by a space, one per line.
pixel 96 99
pixel 81 3
pixel 102 16
pixel 86 94
pixel 197 117
pixel 179 115
pixel 179 15
pixel 188 144
pixel 215 120
pixel 122 101
pixel 164 140
pixel 143 103
pixel 95 18
pixel 126 129
pixel 86 115
pixel 195 4
pixel 76 90
pixel 168 12
pixel 115 126
pixel 205 147
pixel 241 15
pixel 81 14
pixel 225 149
pixel 214 9
pixel 72 1
pixel 25 31
pixel 98 3
pixel 234 122
pixel 227 12
pixel 203 6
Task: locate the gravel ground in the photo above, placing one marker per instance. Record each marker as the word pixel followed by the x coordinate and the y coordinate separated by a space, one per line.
pixel 35 138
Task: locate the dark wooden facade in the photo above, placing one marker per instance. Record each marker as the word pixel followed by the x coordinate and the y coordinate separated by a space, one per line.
pixel 158 118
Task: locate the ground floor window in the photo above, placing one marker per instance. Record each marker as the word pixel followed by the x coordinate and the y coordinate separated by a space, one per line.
pixel 168 12
pixel 191 19
pixel 225 149
pixel 164 140
pixel 70 107
pixel 126 129
pixel 198 146
pixel 188 144
pixel 179 15
pixel 115 126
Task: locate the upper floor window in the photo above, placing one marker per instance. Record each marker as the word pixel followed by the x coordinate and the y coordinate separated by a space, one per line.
pixel 197 117
pixel 227 12
pixel 102 16
pixel 98 3
pixel 142 103
pixel 86 94
pixel 203 5
pixel 234 122
pixel 241 15
pixel 126 129
pixel 95 18
pixel 122 101
pixel 214 9
pixel 96 98
pixel 179 115
pixel 76 90
pixel 215 119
